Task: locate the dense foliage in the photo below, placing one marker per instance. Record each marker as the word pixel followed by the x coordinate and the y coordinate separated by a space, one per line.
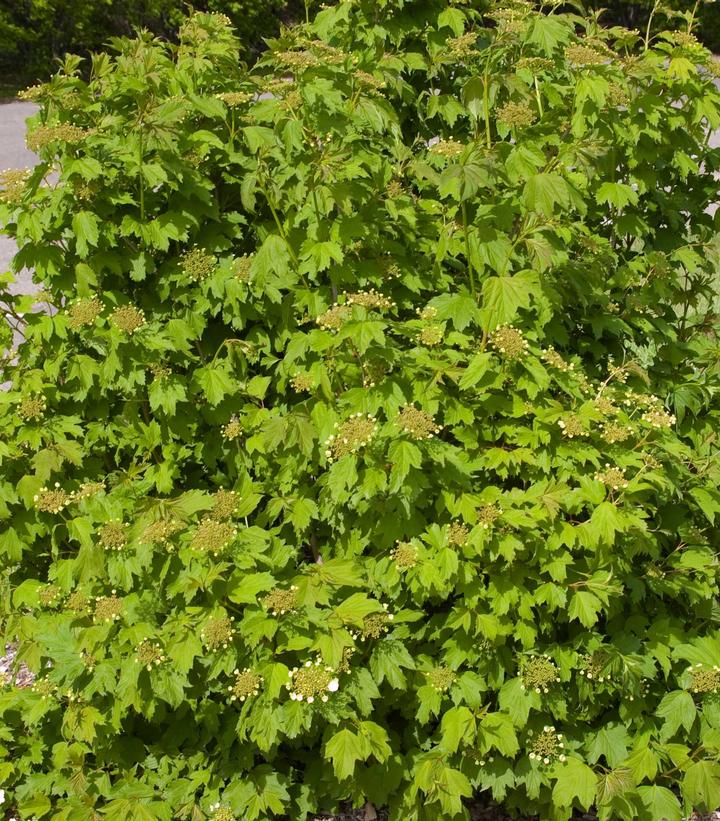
pixel 363 443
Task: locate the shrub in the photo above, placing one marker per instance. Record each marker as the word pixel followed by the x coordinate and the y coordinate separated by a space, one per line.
pixel 369 450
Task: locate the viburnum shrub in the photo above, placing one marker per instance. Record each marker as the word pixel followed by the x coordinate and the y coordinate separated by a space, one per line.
pixel 361 444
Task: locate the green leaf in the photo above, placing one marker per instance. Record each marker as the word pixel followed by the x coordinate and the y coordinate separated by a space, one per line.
pixel 354 609
pixel 476 369
pixel 377 739
pixel 678 709
pixel 548 32
pixel 644 763
pixel 86 228
pixel 503 296
pixel 453 19
pixel 543 192
pixel 708 501
pixel 605 522
pixel 701 785
pixel 403 456
pixel 659 804
pixel 457 725
pixel 460 308
pixel 584 606
pixel 574 780
pixel 215 383
pixel 617 194
pixel 610 742
pixel 345 749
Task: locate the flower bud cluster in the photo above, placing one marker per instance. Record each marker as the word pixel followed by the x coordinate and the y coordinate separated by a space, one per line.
pixel 297 60
pixel 614 432
pixel 302 382
pixel 220 813
pixel 88 489
pixel 242 266
pixel 197 264
pixel 44 688
pixel 463 46
pixel 218 633
pixel 32 407
pixel 390 268
pixel 225 504
pixel 509 342
pixel 572 426
pixel 510 20
pixel 458 534
pixel 375 625
pixel 371 299
pixel 44 135
pixel 13 182
pixel 404 555
pixel 546 746
pixel 33 93
pixel 311 681
pixel 429 312
pixel 235 98
pixel 582 55
pixel 108 608
pixel 353 434
pixel 332 320
pixel 369 82
pixel 704 679
pixel 247 683
pixel 52 501
pixel 592 667
pixel 535 65
pixel 292 101
pixel 605 405
pixel 78 602
pixel 488 514
pixel 160 532
pixel 417 423
pixel 128 319
pixel 441 678
pixel 330 55
pixel 280 601
pixel 84 312
pixel 659 418
pixel 212 536
pixel 49 594
pixel 233 429
pixel 149 653
pixel 551 357
pixel 538 673
pixel 431 335
pixel 113 535
pixel 516 115
pixel 613 477
pixel 449 149
pixel 618 96
pixel 395 189
pixel 347 654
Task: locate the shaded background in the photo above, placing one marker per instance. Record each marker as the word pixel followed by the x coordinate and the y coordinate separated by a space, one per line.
pixel 34 34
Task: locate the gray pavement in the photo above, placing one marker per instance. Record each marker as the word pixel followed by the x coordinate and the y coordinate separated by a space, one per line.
pixel 14 154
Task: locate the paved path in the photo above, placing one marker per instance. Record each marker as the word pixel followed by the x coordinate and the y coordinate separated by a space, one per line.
pixel 14 154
